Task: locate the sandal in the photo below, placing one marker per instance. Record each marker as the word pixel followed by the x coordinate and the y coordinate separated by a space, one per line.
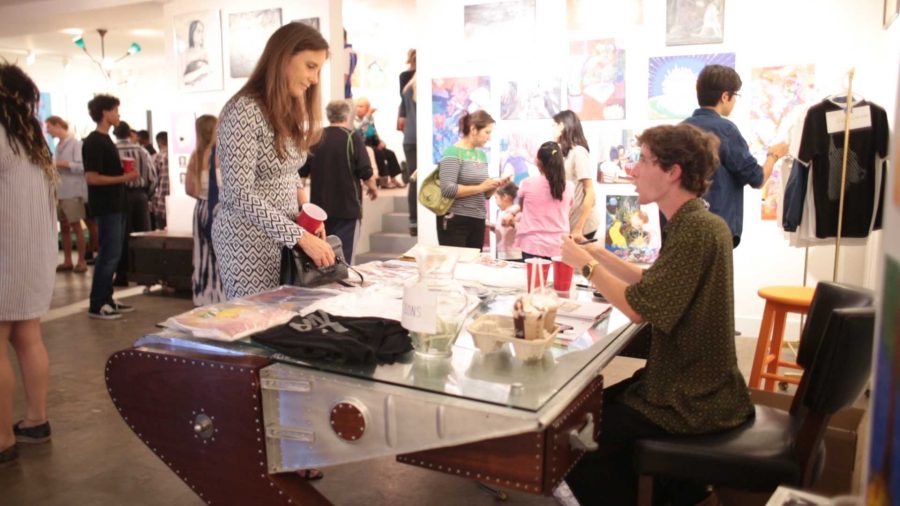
pixel 79 269
pixel 9 456
pixel 64 268
pixel 310 474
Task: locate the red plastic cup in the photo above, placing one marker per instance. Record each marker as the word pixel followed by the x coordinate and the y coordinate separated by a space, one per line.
pixel 562 275
pixel 311 217
pixel 127 164
pixel 537 277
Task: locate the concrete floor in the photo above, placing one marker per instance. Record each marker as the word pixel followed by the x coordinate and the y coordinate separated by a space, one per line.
pixel 94 459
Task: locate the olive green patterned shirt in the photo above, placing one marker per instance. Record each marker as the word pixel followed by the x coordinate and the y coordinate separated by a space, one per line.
pixel 691 383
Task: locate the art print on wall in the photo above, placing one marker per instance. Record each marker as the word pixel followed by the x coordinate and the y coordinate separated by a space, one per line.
pixel 495 29
pixel 777 97
pixel 632 230
pixel 198 51
pixel 672 83
pixel 313 22
pixel 248 33
pixel 519 143
pixel 695 22
pixel 603 16
pixel 616 153
pixel 596 79
pixel 450 98
pixel 533 98
pixel 884 444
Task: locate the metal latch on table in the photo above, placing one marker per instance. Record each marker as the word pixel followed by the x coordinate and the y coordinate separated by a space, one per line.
pixel 285 385
pixel 279 432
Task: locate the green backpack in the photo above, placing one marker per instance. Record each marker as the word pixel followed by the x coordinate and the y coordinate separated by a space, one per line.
pixel 430 194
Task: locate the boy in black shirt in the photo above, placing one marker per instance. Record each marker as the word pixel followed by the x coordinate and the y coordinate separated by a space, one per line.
pixel 106 180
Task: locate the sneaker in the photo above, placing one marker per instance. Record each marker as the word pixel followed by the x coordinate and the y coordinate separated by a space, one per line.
pixel 9 456
pixel 106 312
pixel 32 435
pixel 122 308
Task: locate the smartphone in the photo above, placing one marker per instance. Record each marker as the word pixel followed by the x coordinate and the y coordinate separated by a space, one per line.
pixel 587 241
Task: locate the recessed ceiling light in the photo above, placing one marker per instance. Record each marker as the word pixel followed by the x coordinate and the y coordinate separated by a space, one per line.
pixel 72 31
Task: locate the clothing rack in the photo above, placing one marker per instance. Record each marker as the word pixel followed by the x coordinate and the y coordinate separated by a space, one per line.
pixel 847 115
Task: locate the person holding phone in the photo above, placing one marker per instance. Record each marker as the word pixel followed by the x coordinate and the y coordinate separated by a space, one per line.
pixel 464 178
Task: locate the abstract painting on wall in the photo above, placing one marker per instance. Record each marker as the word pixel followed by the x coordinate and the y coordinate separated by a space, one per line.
pixel 694 22
pixel 530 98
pixel 632 230
pixel 497 29
pixel 672 83
pixel 450 98
pixel 884 444
pixel 247 36
pixel 778 98
pixel 519 143
pixel 596 79
pixel 198 51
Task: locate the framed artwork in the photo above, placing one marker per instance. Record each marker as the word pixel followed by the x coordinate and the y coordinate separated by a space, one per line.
pixel 695 22
pixel 248 33
pixel 777 95
pixel 519 143
pixel 596 83
pixel 450 98
pixel 495 29
pixel 891 10
pixel 603 16
pixel 672 83
pixel 313 22
pixel 616 152
pixel 198 51
pixel 532 98
pixel 632 231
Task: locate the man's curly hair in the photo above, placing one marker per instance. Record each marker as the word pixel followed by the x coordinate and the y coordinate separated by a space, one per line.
pixel 695 151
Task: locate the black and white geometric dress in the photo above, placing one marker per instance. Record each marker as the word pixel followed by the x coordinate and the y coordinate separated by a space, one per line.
pixel 258 200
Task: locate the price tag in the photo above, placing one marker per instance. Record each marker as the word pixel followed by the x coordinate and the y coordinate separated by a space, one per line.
pixel 419 310
pixel 860 117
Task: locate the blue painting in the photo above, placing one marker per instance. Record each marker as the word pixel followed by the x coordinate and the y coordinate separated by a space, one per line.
pixel 672 83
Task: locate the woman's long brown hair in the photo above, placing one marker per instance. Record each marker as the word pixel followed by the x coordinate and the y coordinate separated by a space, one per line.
pixel 298 120
pixel 205 129
pixel 19 98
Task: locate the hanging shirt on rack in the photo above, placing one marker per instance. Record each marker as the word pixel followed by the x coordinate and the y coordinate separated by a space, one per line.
pixel 862 194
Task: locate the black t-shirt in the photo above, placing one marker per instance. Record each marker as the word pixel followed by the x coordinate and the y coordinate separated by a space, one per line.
pixel 336 165
pixel 100 155
pixel 825 152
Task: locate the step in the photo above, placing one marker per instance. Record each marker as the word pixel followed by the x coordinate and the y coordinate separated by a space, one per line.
pixel 395 222
pixel 396 243
pixel 401 205
pixel 373 256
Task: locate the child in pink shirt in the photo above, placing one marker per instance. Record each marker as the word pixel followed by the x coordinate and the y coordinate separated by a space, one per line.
pixel 504 229
pixel 543 205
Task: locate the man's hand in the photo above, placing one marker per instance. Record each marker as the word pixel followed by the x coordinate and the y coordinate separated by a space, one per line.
pixel 62 164
pixel 318 250
pixel 134 175
pixel 401 124
pixel 778 150
pixel 573 254
pixel 372 193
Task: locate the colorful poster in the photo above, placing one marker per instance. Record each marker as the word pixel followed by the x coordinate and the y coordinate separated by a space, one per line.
pixel 198 50
pixel 248 33
pixel 530 98
pixel 884 444
pixel 450 98
pixel 519 143
pixel 596 86
pixel 777 97
pixel 603 16
pixel 617 152
pixel 672 83
pixel 496 29
pixel 632 230
pixel 695 22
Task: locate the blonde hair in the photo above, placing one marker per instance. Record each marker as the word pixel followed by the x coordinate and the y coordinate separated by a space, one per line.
pixel 295 120
pixel 205 128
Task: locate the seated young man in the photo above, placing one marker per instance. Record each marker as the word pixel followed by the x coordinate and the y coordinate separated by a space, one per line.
pixel 691 383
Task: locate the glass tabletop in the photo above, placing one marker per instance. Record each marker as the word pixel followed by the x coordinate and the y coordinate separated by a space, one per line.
pixel 497 377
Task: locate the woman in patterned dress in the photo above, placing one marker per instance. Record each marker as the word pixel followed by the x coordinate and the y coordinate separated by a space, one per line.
pixel 206 283
pixel 265 131
pixel 27 258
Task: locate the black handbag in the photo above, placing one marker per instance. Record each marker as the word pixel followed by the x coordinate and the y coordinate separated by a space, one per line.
pixel 299 270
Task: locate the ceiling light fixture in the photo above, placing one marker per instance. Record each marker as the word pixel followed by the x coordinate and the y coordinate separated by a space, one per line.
pixel 105 64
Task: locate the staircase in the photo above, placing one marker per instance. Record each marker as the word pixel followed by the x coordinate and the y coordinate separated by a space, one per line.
pixel 393 239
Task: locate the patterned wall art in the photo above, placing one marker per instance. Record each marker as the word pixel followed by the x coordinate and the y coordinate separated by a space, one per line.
pixel 198 51
pixel 777 98
pixel 672 83
pixel 596 79
pixel 247 36
pixel 694 22
pixel 632 230
pixel 496 29
pixel 450 98
pixel 530 98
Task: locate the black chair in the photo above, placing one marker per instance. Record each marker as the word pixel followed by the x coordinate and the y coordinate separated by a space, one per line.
pixel 778 447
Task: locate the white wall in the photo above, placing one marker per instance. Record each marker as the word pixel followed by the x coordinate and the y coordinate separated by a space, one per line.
pixel 835 35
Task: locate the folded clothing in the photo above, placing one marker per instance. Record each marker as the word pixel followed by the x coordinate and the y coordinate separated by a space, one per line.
pixel 320 336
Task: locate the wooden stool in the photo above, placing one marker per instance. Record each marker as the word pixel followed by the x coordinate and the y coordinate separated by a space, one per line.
pixel 780 300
